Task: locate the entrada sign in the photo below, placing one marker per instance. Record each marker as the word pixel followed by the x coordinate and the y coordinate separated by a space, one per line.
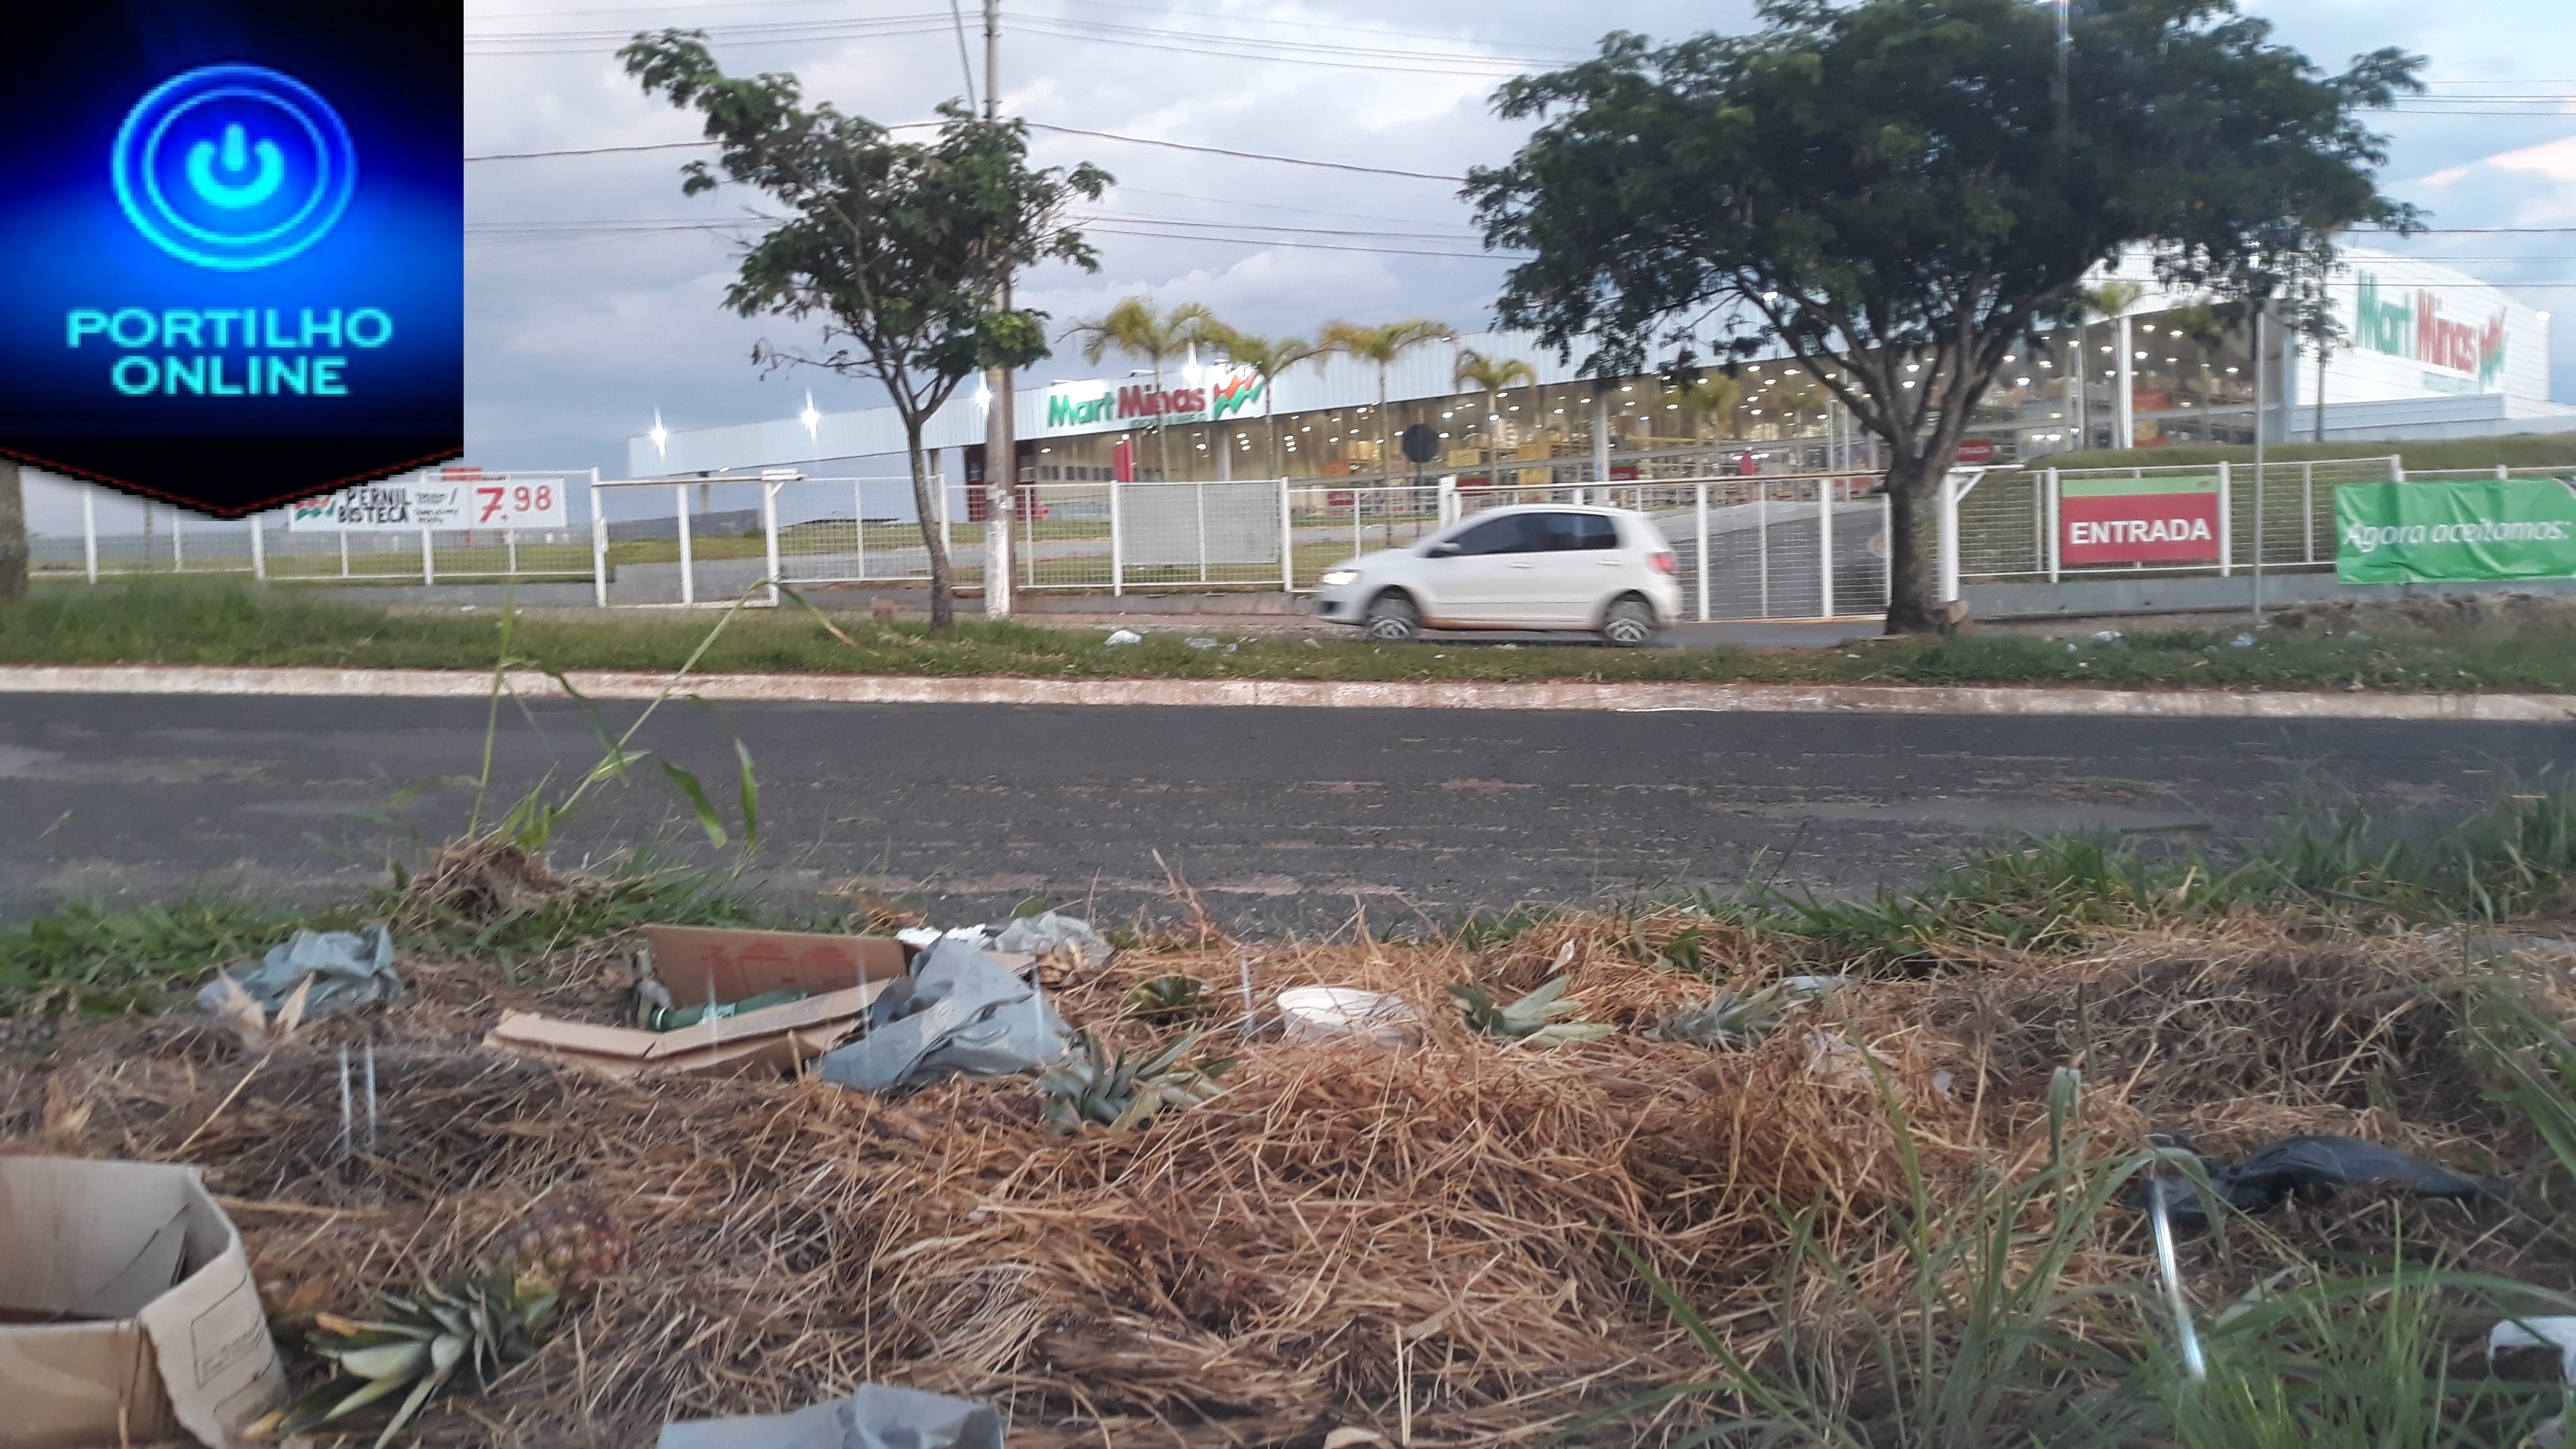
pixel 2131 520
pixel 231 255
pixel 1079 406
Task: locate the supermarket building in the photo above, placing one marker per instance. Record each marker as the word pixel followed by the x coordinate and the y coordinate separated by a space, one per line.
pixel 2427 352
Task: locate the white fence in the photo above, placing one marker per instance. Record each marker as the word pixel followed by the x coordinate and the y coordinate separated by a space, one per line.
pixel 170 541
pixel 2006 520
pixel 1763 546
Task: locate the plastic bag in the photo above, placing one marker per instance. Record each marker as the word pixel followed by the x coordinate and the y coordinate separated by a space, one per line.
pixel 350 969
pixel 877 1416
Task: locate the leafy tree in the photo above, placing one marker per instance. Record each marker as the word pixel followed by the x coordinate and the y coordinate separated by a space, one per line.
pixel 1383 344
pixel 1891 191
pixel 1490 376
pixel 1268 357
pixel 1136 329
pixel 900 248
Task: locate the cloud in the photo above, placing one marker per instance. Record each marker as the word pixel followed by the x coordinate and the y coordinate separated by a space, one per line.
pixel 574 339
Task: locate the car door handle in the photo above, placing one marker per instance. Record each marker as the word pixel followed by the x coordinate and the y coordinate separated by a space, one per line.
pixel 1525 566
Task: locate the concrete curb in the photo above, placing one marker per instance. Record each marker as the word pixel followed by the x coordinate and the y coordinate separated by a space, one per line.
pixel 1621 697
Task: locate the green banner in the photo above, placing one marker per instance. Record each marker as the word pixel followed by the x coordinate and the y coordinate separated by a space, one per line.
pixel 2404 533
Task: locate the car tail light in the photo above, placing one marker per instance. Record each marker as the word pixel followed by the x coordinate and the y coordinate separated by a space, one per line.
pixel 1660 562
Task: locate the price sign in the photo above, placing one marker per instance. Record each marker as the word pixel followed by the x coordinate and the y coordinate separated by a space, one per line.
pixel 498 501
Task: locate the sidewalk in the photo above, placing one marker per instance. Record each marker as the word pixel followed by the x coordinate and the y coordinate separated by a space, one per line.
pixel 1551 695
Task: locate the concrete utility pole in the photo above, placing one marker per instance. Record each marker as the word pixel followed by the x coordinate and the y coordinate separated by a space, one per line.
pixel 1001 449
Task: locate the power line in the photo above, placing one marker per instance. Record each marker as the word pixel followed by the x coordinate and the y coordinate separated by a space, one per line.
pixel 589 151
pixel 1242 155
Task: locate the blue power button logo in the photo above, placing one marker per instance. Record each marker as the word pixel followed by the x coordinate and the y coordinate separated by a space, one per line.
pixel 234 167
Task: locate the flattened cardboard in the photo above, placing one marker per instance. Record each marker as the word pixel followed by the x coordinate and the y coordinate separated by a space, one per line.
pixel 774 1038
pixel 744 964
pixel 158 1327
pixel 845 973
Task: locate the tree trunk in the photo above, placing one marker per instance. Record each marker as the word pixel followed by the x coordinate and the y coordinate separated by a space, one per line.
pixel 943 605
pixel 13 534
pixel 1910 525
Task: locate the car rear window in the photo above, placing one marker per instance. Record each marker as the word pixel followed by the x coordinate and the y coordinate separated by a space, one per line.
pixel 1569 532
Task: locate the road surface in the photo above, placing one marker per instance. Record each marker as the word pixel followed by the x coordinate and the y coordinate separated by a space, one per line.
pixel 1285 820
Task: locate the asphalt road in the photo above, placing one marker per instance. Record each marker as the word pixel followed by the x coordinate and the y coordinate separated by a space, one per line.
pixel 1284 820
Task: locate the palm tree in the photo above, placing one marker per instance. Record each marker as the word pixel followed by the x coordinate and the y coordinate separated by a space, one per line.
pixel 1267 357
pixel 1711 394
pixel 2109 301
pixel 1383 344
pixel 1136 329
pixel 1490 375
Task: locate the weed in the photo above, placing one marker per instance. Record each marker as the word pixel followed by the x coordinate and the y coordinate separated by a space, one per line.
pixel 89 959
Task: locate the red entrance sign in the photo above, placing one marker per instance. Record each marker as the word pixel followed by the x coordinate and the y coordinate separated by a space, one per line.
pixel 2105 523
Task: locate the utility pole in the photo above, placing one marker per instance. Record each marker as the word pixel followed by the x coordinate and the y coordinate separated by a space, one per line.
pixel 1001 449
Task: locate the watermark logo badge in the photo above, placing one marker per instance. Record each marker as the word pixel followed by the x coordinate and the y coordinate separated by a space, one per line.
pixel 233 167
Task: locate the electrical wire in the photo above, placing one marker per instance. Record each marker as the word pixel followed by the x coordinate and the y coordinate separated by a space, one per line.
pixel 1242 155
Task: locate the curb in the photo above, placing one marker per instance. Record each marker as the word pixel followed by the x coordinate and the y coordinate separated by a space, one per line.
pixel 1608 697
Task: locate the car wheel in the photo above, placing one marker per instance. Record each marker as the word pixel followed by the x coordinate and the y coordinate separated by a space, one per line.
pixel 1392 618
pixel 1629 623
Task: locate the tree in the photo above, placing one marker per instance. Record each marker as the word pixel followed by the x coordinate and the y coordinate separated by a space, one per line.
pixel 1490 376
pixel 1710 395
pixel 1136 329
pixel 900 248
pixel 1383 344
pixel 1268 357
pixel 13 534
pixel 1890 191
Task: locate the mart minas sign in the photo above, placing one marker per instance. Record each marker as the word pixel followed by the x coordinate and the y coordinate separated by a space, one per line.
pixel 2134 520
pixel 1223 392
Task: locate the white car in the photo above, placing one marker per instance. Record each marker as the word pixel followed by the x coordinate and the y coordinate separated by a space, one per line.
pixel 1544 566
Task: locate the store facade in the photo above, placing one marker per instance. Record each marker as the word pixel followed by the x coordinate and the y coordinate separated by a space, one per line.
pixel 2424 348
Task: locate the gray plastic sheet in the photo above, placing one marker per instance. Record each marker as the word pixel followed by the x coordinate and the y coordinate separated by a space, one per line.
pixel 350 969
pixel 958 1011
pixel 878 1416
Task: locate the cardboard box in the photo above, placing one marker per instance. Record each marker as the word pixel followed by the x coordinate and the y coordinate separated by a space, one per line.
pixel 127 1311
pixel 845 973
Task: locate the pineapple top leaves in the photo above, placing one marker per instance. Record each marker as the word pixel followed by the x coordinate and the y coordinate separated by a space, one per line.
pixel 1173 998
pixel 1104 1086
pixel 1531 1020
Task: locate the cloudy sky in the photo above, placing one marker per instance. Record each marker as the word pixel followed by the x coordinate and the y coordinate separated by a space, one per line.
pixel 592 300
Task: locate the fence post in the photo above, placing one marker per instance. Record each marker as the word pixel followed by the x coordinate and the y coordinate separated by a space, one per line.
pixel 178 542
pixel 1946 549
pixel 2307 513
pixel 344 553
pixel 1762 540
pixel 2226 522
pixel 1287 543
pixel 598 550
pixel 769 532
pixel 2396 467
pixel 258 550
pixel 688 574
pixel 2503 473
pixel 428 560
pixel 1117 541
pixel 859 521
pixel 2056 525
pixel 1887 531
pixel 89 530
pixel 946 544
pixel 1198 496
pixel 1700 560
pixel 1824 548
pixel 510 547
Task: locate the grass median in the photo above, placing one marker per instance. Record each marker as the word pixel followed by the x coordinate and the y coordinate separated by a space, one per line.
pixel 190 623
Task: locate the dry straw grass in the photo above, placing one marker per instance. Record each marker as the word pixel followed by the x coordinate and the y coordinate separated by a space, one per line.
pixel 1348 1236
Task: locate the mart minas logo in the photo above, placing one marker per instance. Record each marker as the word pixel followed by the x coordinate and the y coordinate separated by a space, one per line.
pixel 230 169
